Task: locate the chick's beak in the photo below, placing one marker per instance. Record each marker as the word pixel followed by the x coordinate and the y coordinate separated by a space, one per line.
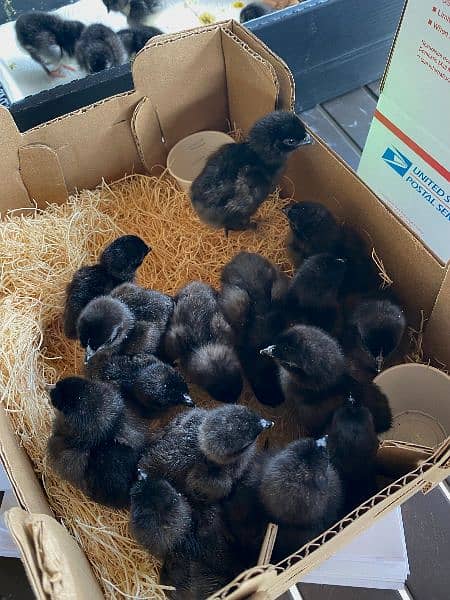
pixel 187 400
pixel 266 424
pixel 322 442
pixel 141 475
pixel 379 361
pixel 88 354
pixel 286 210
pixel 306 140
pixel 49 387
pixel 268 351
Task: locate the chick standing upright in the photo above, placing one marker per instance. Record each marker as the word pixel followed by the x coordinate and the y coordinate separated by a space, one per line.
pixel 99 48
pixel 118 263
pixel 204 452
pixel 137 12
pixel 238 177
pixel 353 445
pixel 47 38
pixel 201 339
pixel 315 230
pixel 313 295
pixel 301 492
pixel 252 300
pixel 372 334
pixel 313 374
pixel 95 443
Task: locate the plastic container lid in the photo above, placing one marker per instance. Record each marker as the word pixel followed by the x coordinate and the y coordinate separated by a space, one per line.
pixel 187 158
pixel 419 396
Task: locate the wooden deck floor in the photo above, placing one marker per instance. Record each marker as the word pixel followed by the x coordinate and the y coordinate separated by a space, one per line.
pixel 344 123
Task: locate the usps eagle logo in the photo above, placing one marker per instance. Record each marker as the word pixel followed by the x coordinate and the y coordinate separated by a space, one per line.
pixel 397 161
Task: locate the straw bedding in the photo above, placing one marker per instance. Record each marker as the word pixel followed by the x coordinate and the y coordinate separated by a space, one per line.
pixel 39 255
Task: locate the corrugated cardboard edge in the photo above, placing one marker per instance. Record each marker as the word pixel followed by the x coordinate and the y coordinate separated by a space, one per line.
pixel 25 484
pixel 391 51
pixel 434 467
pixel 57 567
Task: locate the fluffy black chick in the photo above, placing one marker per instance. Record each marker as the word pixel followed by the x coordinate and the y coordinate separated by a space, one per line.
pixel 118 263
pixel 204 452
pixel 244 513
pixel 150 306
pixel 252 300
pixel 193 545
pixel 353 445
pixel 160 517
pixel 108 332
pixel 314 230
pixel 302 492
pixel 314 375
pixel 201 339
pixel 135 39
pixel 313 295
pixel 253 11
pixel 99 48
pixel 95 443
pixel 47 38
pixel 137 12
pixel 238 177
pixel 372 334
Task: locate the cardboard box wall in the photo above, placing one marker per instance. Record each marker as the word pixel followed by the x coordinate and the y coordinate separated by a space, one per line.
pixel 206 79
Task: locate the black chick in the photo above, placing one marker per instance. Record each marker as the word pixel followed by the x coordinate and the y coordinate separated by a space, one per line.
pixel 95 443
pixel 302 492
pixel 353 445
pixel 99 48
pixel 108 332
pixel 313 374
pixel 150 306
pixel 252 300
pixel 373 333
pixel 192 544
pixel 313 295
pixel 136 11
pixel 238 177
pixel 47 38
pixel 204 452
pixel 201 339
pixel 135 39
pixel 244 513
pixel 315 230
pixel 118 263
pixel 253 11
pixel 160 517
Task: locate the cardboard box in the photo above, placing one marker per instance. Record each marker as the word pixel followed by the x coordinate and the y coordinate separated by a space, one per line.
pixel 406 159
pixel 233 78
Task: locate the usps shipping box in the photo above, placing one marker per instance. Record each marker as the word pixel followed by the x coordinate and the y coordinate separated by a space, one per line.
pixel 406 160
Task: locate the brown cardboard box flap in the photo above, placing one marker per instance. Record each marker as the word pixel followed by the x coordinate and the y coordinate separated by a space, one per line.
pixel 42 175
pixel 57 567
pixel 23 479
pixel 436 342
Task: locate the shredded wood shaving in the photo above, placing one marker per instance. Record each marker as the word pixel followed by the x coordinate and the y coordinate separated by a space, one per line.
pixel 386 281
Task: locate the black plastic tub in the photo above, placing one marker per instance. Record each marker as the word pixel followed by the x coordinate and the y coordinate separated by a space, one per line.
pixel 331 47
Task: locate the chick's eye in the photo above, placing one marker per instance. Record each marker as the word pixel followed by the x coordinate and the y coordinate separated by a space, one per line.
pixel 290 142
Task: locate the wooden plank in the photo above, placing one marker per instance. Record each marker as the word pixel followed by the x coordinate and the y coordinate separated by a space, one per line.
pixel 312 591
pixel 426 520
pixel 321 123
pixel 353 112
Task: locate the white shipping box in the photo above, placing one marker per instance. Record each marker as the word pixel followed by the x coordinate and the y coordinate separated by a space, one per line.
pixel 406 159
